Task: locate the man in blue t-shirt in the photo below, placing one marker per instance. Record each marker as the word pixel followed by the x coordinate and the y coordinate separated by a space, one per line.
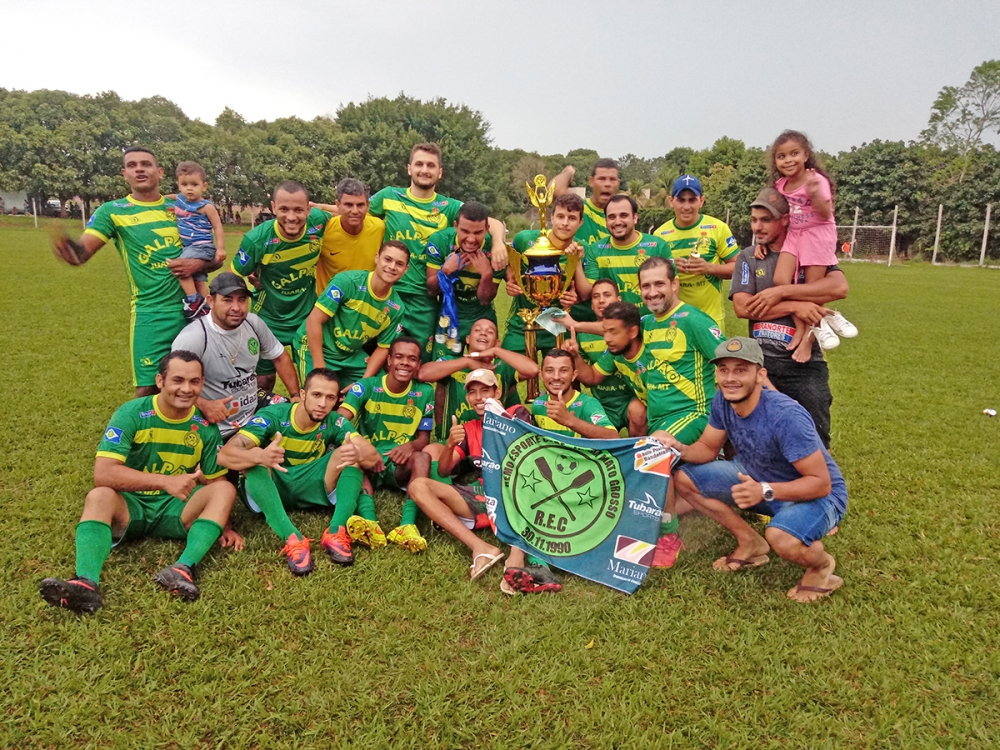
pixel 781 469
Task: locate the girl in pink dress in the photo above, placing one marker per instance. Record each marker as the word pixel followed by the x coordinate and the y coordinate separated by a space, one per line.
pixel 811 243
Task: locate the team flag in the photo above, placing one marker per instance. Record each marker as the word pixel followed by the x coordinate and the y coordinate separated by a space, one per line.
pixel 589 507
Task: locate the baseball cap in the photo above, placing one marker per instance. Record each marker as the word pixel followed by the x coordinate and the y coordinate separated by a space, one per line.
pixel 486 377
pixel 740 347
pixel 687 182
pixel 227 282
pixel 771 200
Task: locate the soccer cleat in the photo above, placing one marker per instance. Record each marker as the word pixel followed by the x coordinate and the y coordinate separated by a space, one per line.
pixel 532 579
pixel 300 560
pixel 80 595
pixel 408 537
pixel 365 532
pixel 338 546
pixel 195 308
pixel 825 336
pixel 841 325
pixel 179 579
pixel 668 547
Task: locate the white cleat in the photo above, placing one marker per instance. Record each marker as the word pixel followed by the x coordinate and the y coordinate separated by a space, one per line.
pixel 825 336
pixel 841 325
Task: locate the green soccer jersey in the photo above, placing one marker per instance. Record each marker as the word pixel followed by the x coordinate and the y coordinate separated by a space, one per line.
pixel 580 405
pixel 615 391
pixel 605 259
pixel 466 282
pixel 141 437
pixel 145 235
pixel 300 447
pixel 286 270
pixel 595 225
pixel 357 315
pixel 388 419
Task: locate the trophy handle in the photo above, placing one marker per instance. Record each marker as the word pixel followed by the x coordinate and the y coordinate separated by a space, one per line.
pixel 514 264
pixel 571 263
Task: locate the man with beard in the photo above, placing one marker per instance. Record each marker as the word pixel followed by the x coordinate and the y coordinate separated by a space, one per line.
pixel 604 183
pixel 619 256
pixel 144 229
pixel 152 461
pixel 231 341
pixel 280 257
pixel 781 469
pixel 293 455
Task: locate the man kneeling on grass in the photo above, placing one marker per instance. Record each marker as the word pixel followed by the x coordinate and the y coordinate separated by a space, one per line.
pixel 155 454
pixel 781 469
pixel 461 509
pixel 284 451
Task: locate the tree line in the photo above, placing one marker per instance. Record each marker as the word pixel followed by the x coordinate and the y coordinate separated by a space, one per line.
pixel 62 145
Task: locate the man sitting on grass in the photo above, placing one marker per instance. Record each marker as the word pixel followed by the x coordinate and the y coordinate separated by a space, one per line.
pixel 461 509
pixel 156 453
pixel 781 469
pixel 285 452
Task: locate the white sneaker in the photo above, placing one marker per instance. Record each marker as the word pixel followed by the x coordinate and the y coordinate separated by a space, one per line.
pixel 841 325
pixel 825 336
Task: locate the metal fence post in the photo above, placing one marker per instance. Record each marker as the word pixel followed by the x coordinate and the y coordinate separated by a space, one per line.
pixel 937 234
pixel 34 210
pixel 892 241
pixel 986 234
pixel 854 230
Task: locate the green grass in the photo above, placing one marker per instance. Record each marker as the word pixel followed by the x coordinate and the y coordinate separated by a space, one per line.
pixel 401 651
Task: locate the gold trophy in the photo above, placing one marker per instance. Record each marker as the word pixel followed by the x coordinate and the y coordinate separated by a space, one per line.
pixel 543 280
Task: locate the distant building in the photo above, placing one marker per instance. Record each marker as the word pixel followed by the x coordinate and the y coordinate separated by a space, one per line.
pixel 12 202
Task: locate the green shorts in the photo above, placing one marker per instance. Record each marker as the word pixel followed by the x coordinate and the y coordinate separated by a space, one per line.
pixel 687 428
pixel 302 487
pixel 350 367
pixel 615 407
pixel 385 479
pixel 150 338
pixel 154 516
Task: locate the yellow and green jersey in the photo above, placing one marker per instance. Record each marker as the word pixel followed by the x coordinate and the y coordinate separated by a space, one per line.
pixel 713 241
pixel 606 259
pixel 357 315
pixel 286 269
pixel 595 225
pixel 141 437
pixel 388 419
pixel 580 405
pixel 615 391
pixel 466 282
pixel 145 235
pixel 301 447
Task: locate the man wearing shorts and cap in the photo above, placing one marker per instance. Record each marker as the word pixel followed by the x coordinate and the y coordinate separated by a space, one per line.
pixel 781 469
pixel 770 310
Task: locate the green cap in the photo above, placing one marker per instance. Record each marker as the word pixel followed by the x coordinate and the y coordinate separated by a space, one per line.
pixel 740 347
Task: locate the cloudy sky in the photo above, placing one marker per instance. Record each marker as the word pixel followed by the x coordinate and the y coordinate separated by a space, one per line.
pixel 618 76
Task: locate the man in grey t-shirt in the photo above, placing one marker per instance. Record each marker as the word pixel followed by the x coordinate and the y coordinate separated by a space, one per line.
pixel 770 308
pixel 230 341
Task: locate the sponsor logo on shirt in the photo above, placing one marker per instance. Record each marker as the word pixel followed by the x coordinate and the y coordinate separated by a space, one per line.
pixel 147 414
pixel 334 293
pixel 596 418
pixel 760 273
pixel 708 226
pixel 113 435
pixel 393 305
pixel 716 332
pixel 242 256
pixel 358 390
pixel 199 420
pixel 731 242
pixel 261 421
pixel 745 274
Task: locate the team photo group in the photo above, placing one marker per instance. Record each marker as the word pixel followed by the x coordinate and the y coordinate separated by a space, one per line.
pixel 382 315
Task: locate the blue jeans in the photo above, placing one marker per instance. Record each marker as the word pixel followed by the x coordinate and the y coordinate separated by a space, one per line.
pixel 807 520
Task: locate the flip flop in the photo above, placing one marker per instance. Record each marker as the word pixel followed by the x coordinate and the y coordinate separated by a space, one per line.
pixel 753 562
pixel 491 560
pixel 823 592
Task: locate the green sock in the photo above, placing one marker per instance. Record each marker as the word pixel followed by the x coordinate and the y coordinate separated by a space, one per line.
pixel 437 477
pixel 532 560
pixel 261 488
pixel 410 510
pixel 366 507
pixel 201 537
pixel 668 524
pixel 93 545
pixel 348 490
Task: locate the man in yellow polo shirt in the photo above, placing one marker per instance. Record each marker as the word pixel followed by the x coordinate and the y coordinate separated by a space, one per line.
pixel 353 236
pixel 703 248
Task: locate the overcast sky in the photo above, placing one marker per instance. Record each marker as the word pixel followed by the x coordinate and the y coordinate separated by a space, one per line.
pixel 618 76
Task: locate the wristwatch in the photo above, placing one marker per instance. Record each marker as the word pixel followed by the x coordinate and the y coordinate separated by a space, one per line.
pixel 768 492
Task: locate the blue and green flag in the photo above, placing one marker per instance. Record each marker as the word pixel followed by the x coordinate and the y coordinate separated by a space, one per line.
pixel 589 507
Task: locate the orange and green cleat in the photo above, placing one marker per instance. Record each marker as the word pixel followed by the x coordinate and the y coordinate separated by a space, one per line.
pixel 408 537
pixel 179 579
pixel 80 595
pixel 366 532
pixel 338 546
pixel 668 547
pixel 299 556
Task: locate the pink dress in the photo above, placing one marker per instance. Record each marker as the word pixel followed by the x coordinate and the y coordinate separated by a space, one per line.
pixel 811 239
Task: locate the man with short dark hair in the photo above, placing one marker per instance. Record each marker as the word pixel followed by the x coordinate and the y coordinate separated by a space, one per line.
pixel 781 469
pixel 770 310
pixel 280 257
pixel 152 461
pixel 604 183
pixel 231 341
pixel 144 230
pixel 352 237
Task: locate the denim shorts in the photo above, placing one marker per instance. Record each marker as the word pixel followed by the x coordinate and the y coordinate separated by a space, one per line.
pixel 199 252
pixel 808 521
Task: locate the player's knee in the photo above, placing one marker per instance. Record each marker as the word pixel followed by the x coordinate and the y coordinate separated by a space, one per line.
pixel 434 450
pixel 419 464
pixel 783 543
pixel 683 485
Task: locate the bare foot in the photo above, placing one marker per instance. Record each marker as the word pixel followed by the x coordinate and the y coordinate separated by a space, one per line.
pixel 800 332
pixel 803 352
pixel 752 555
pixel 832 531
pixel 817 583
pixel 483 561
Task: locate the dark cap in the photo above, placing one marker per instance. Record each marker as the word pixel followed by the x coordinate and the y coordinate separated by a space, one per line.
pixel 227 282
pixel 687 182
pixel 771 200
pixel 740 347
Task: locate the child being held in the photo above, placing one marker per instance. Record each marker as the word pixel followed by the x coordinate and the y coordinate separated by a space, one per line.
pixel 197 221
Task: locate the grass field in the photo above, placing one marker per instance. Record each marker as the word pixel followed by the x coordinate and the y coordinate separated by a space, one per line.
pixel 401 651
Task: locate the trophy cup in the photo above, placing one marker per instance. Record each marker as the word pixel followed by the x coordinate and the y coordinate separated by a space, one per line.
pixel 538 272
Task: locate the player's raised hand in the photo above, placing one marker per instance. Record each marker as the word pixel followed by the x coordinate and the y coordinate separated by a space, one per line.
pixel 348 453
pixel 451 264
pixel 556 409
pixel 571 344
pixel 574 248
pixel 181 485
pixel 456 436
pixel 274 455
pixel 747 493
pixel 569 297
pixel 513 290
